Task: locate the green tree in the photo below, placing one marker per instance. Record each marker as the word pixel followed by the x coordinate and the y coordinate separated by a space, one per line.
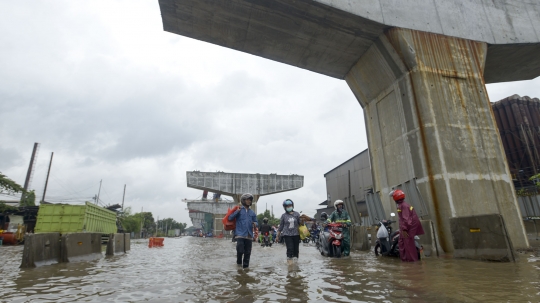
pixel 149 224
pixel 130 222
pixel 167 224
pixel 8 186
pixel 271 219
pixel 28 198
pixel 5 208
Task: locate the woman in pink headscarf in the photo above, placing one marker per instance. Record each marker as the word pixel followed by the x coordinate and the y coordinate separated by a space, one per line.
pixel 409 226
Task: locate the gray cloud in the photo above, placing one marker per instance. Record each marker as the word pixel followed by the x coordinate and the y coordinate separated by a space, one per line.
pixel 118 99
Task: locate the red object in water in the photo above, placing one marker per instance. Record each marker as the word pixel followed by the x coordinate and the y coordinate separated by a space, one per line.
pixel 229 225
pixel 155 242
pixel 9 238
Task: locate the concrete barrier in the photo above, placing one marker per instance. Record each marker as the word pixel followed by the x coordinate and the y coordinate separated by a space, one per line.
pixel 41 249
pixel 359 238
pixel 429 239
pixel 481 237
pixel 116 244
pixel 127 242
pixel 532 227
pixel 80 246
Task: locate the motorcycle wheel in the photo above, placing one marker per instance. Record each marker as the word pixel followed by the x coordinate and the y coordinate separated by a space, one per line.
pixel 337 251
pixel 377 249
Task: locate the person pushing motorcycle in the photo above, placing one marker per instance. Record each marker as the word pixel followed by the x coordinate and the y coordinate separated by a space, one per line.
pixel 340 215
pixel 409 226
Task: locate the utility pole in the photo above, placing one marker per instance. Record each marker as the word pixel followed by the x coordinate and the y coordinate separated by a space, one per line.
pixel 99 191
pixel 30 173
pixel 157 226
pixel 123 197
pixel 31 167
pixel 47 180
pixel 142 219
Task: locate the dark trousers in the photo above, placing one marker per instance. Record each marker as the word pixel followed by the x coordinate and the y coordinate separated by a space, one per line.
pixel 293 244
pixel 243 247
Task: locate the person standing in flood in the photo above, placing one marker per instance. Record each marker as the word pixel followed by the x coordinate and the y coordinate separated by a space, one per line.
pixel 409 226
pixel 246 220
pixel 288 229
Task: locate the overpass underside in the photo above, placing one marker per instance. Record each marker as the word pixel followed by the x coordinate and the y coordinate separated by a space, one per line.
pixel 418 69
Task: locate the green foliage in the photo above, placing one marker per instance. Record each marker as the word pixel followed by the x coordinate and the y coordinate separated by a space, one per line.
pixel 271 219
pixel 5 208
pixel 130 222
pixel 149 224
pixel 28 198
pixel 8 186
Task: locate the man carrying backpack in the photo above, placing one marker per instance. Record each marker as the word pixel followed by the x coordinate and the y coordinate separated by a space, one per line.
pixel 246 220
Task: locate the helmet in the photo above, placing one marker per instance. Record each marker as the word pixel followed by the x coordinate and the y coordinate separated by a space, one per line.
pixel 338 202
pixel 324 216
pixel 246 197
pixel 288 202
pixel 265 220
pixel 398 194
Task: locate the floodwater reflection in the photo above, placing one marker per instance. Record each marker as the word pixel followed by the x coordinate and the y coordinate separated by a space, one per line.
pixel 204 270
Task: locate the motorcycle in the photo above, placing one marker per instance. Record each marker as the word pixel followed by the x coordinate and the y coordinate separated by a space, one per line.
pixel 266 240
pixel 330 242
pixel 387 243
pixel 315 235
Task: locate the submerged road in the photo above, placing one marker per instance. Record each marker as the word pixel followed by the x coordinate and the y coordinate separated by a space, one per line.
pixel 203 270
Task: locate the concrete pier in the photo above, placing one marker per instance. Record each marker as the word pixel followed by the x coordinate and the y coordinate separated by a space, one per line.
pixel 428 118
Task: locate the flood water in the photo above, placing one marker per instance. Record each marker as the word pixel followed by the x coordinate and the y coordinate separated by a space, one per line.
pixel 192 269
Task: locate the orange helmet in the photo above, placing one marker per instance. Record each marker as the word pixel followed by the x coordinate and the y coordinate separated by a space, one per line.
pixel 398 194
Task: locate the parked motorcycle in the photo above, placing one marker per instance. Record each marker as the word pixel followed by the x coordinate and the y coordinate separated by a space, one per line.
pixel 387 243
pixel 330 242
pixel 266 240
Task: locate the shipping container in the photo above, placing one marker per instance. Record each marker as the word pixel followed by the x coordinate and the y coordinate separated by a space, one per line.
pixel 65 218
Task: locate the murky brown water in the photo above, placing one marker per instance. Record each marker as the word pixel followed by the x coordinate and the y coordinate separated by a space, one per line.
pixel 204 270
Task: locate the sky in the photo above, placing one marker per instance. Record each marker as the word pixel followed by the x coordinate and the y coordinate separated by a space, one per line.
pixel 122 102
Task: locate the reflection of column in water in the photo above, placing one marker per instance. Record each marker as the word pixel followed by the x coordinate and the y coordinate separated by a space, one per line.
pixel 296 287
pixel 244 294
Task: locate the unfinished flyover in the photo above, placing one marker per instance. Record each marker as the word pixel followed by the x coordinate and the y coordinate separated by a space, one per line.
pixel 233 185
pixel 418 68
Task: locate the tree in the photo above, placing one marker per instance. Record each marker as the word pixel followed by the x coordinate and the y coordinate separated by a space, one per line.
pixel 271 219
pixel 8 186
pixel 167 224
pixel 28 198
pixel 130 223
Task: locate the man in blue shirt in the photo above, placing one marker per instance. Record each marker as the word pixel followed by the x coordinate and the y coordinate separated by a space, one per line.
pixel 246 220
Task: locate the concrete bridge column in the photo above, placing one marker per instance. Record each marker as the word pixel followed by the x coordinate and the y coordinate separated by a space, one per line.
pixel 428 117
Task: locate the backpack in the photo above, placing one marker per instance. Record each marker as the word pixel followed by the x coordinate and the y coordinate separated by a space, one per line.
pixel 229 225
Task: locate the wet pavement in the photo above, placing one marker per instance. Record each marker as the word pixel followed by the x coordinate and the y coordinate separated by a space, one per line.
pixel 204 270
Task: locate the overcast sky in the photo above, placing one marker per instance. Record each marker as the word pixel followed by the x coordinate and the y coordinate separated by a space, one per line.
pixel 100 84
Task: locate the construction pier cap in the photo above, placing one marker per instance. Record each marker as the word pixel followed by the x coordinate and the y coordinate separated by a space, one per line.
pixel 233 185
pixel 418 68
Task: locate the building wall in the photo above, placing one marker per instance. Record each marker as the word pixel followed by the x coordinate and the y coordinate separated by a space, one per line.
pixel 337 180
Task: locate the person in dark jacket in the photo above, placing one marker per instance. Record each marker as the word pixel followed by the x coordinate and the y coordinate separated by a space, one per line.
pixel 265 228
pixel 246 220
pixel 409 226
